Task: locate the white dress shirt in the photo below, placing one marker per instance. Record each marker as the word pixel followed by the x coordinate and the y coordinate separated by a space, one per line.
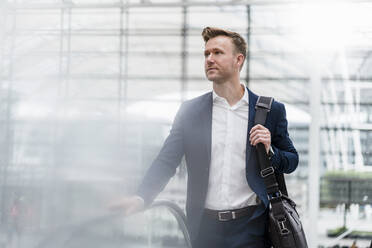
pixel 228 187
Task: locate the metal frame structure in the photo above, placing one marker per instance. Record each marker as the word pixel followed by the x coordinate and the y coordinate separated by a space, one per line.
pixel 343 90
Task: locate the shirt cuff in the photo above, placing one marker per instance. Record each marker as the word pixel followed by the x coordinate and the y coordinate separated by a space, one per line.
pixel 275 159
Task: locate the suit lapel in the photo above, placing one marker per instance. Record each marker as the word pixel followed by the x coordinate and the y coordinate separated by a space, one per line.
pixel 206 118
pixel 252 111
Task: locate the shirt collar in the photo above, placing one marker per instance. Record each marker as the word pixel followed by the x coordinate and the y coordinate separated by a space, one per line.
pixel 244 97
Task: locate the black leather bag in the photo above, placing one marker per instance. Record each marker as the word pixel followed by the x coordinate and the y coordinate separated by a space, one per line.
pixel 285 228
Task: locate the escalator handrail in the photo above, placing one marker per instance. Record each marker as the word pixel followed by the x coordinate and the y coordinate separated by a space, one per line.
pixel 179 214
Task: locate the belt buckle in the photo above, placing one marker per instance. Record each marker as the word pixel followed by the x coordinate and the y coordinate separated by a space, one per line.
pixel 221 218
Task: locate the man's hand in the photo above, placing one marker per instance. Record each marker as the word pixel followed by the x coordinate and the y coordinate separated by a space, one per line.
pixel 260 134
pixel 128 205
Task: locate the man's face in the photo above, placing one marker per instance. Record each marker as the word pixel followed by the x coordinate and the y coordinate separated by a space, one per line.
pixel 220 59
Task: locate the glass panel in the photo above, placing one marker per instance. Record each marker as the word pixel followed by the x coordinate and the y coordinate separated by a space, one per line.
pixel 81 120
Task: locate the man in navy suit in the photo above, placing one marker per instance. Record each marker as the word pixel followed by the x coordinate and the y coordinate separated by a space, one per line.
pixel 226 198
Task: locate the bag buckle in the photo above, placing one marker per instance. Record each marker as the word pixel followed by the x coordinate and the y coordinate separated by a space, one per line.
pixel 275 195
pixel 282 228
pixel 267 172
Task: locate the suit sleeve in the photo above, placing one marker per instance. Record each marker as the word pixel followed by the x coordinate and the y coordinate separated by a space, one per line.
pixel 165 164
pixel 285 159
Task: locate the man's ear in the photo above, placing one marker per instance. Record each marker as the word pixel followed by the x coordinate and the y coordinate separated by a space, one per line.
pixel 240 59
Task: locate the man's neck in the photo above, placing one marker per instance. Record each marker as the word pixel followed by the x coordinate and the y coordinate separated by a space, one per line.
pixel 232 91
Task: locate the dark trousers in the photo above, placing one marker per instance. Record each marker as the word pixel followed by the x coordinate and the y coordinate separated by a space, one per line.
pixel 239 233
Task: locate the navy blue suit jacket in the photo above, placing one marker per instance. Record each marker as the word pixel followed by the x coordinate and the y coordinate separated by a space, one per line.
pixel 190 136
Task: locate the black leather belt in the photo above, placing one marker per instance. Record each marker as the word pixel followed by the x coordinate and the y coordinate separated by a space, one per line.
pixel 230 214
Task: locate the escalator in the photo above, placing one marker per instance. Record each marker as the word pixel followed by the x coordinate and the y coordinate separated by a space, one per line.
pixel 163 225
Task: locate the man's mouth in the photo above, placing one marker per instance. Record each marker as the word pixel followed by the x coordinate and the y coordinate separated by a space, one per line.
pixel 209 69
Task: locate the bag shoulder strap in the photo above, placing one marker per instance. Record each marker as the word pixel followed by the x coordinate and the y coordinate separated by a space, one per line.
pixel 274 182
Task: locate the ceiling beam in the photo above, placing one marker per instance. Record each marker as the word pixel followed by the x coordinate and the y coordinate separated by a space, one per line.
pixel 148 4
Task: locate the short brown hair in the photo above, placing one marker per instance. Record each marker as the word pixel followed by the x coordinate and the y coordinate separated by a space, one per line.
pixel 237 39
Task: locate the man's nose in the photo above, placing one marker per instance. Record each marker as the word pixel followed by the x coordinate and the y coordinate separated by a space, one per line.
pixel 209 59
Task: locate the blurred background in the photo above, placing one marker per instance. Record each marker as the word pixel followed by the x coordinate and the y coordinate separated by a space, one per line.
pixel 89 90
